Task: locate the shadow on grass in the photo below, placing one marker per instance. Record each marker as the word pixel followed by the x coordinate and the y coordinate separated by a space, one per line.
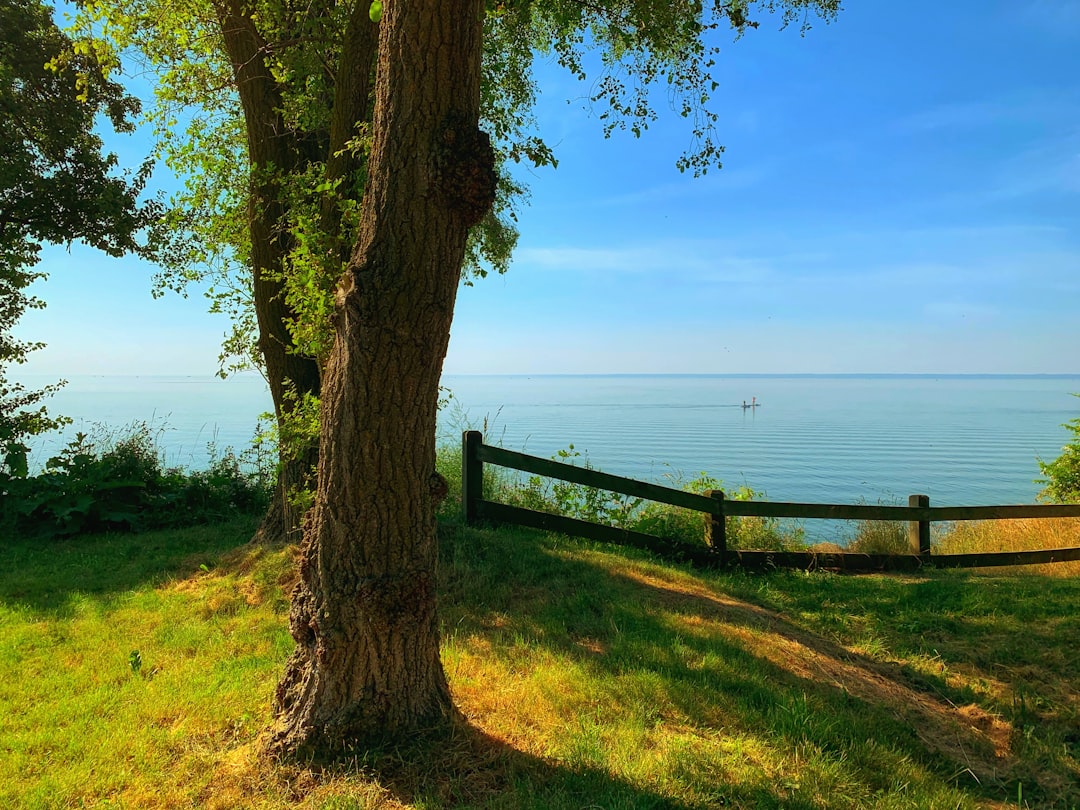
pixel 469 768
pixel 43 574
pixel 735 665
pixel 761 658
pixel 1011 627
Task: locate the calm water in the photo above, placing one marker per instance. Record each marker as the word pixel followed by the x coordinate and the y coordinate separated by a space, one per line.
pixel 961 440
pixel 187 413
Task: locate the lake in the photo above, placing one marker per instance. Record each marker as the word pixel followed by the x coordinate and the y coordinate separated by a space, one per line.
pixel 962 440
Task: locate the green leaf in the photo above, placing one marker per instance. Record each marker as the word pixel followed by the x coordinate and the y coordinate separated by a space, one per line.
pixel 375 12
pixel 15 460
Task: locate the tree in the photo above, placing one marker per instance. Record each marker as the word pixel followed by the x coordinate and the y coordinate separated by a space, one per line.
pixel 275 153
pixel 56 185
pixel 269 78
pixel 364 619
pixel 276 95
pixel 366 663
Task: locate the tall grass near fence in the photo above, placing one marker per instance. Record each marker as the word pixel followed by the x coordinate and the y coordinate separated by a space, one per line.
pixel 596 505
pixel 869 536
pixel 1015 535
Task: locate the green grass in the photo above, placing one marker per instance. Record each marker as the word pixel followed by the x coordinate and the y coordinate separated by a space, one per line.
pixel 590 676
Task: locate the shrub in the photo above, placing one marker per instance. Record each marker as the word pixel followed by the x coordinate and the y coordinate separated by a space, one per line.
pixel 109 484
pixel 1063 473
pixel 635 514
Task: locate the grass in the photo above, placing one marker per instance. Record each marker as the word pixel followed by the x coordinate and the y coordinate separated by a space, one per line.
pixel 137 671
pixel 1015 535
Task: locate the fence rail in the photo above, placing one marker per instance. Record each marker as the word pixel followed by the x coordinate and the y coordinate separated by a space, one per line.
pixel 918 514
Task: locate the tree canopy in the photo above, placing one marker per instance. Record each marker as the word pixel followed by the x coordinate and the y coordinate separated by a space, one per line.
pixel 264 108
pixel 57 185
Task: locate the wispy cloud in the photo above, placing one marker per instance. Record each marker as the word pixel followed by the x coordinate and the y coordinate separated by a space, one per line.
pixel 715 183
pixel 957 115
pixel 1058 18
pixel 700 261
pixel 1051 107
pixel 1051 165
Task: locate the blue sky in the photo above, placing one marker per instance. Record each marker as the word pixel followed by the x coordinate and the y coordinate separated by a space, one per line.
pixel 900 193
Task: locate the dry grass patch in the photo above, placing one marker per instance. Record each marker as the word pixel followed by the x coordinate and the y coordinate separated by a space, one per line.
pixel 1031 534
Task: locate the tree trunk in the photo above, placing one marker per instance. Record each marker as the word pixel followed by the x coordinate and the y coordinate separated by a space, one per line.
pixel 272 147
pixel 366 665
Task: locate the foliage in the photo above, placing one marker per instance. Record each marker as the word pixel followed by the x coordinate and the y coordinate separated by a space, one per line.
pixel 1063 473
pixel 56 185
pixel 21 416
pixel 298 428
pixel 636 514
pixel 98 484
pixel 625 49
pixel 203 133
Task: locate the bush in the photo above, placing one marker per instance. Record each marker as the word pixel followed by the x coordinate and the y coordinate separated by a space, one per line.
pixel 107 484
pixel 635 514
pixel 1063 473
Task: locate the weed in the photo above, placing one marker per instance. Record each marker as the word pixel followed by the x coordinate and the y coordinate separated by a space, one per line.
pixel 636 514
pixel 108 482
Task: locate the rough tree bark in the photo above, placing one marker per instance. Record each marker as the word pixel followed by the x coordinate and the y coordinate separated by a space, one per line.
pixel 366 664
pixel 269 147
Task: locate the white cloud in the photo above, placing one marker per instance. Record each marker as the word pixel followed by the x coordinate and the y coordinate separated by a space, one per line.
pixel 1048 166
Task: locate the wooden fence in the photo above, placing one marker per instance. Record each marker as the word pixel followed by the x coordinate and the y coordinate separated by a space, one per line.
pixel 714 551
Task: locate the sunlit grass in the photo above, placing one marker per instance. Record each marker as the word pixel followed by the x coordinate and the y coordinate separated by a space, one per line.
pixel 138 672
pixel 1016 535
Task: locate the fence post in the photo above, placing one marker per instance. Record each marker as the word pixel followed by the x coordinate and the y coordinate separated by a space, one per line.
pixel 715 530
pixel 472 474
pixel 919 530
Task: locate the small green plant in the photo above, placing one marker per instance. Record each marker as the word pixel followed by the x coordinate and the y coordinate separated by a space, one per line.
pixel 1062 481
pixel 135 661
pixel 104 483
pixel 636 514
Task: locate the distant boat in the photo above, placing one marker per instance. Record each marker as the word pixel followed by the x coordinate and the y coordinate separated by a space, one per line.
pixel 753 403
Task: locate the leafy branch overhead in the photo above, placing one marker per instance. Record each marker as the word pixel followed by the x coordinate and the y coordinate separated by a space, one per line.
pixel 57 184
pixel 305 58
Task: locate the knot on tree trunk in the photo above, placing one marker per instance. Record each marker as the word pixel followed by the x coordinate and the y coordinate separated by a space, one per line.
pixel 465 169
pixel 439 488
